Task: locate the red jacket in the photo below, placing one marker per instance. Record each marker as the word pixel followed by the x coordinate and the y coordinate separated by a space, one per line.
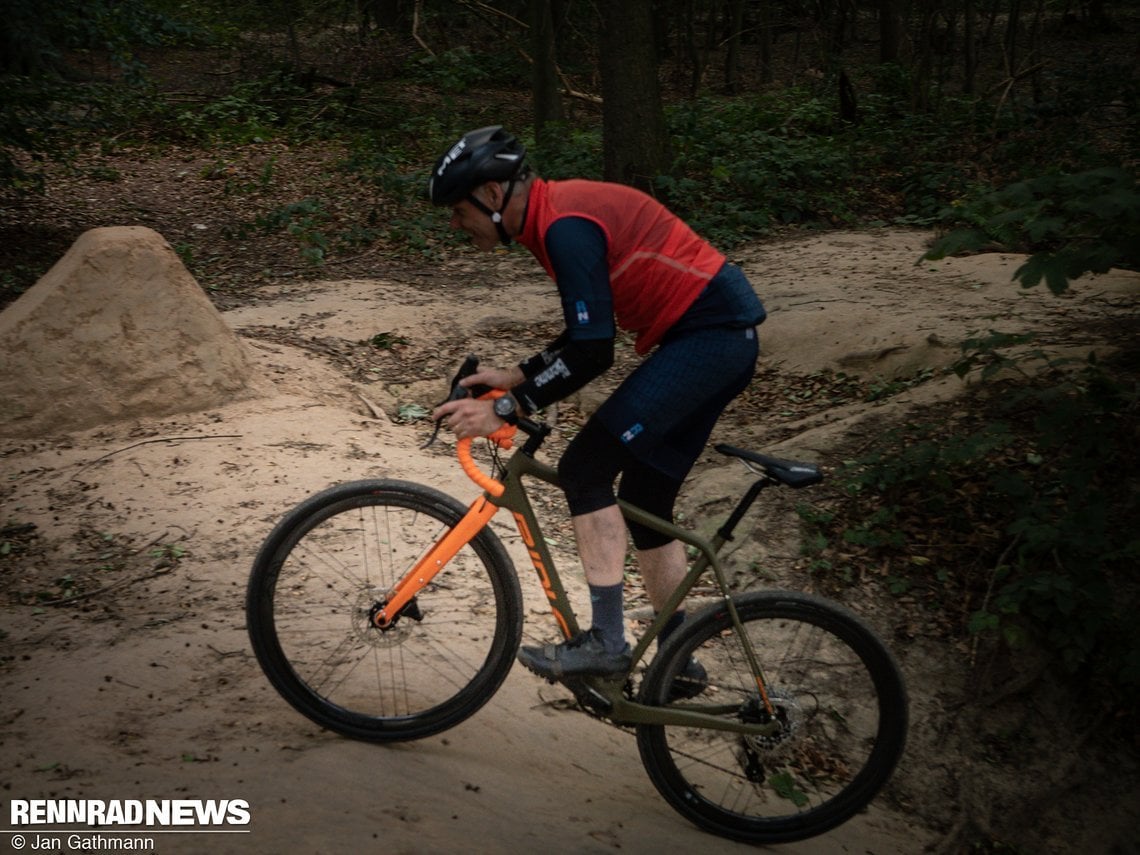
pixel 658 265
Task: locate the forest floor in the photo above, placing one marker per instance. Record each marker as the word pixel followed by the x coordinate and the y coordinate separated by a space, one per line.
pixel 127 673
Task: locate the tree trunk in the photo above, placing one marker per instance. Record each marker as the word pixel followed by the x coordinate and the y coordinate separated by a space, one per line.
pixel 382 14
pixel 661 29
pixel 970 48
pixel 767 73
pixel 836 18
pixel 735 16
pixel 924 65
pixel 692 51
pixel 634 140
pixel 890 30
pixel 1011 37
pixel 547 98
pixel 388 13
pixel 1036 80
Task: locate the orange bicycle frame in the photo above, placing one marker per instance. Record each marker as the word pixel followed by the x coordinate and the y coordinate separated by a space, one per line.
pixel 497 494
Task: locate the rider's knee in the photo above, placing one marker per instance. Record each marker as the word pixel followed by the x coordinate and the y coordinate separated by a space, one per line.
pixel 588 469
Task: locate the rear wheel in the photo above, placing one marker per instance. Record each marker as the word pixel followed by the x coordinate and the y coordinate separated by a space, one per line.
pixel 329 563
pixel 839 716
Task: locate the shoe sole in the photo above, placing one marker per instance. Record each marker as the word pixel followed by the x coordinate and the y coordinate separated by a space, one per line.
pixel 552 670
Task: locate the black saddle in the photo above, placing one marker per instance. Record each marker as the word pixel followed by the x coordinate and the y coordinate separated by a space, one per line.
pixel 789 472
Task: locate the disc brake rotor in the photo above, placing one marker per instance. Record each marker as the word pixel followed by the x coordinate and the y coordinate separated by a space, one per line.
pixel 788 714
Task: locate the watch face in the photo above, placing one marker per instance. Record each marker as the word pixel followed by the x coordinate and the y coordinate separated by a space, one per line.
pixel 504 406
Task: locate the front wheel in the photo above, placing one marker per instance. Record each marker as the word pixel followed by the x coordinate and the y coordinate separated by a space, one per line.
pixel 836 704
pixel 324 569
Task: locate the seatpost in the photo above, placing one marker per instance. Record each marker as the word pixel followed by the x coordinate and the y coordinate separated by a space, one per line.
pixel 746 502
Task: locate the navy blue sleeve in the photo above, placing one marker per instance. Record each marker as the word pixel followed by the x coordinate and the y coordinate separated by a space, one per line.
pixel 577 251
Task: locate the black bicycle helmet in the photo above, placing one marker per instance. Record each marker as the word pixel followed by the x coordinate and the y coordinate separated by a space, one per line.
pixel 488 154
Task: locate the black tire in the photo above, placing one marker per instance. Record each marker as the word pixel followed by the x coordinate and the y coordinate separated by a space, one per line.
pixel 838 694
pixel 322 569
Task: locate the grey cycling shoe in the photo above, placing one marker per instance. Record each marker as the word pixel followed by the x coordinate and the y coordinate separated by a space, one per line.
pixel 584 655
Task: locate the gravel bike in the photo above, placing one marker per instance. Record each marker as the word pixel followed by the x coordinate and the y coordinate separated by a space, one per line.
pixel 386 610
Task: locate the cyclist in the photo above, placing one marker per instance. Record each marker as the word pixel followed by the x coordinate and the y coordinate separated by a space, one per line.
pixel 619 259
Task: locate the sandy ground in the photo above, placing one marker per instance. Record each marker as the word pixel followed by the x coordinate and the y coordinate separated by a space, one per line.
pixel 144 687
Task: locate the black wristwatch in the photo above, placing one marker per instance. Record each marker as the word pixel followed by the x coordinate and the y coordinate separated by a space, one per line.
pixel 507 409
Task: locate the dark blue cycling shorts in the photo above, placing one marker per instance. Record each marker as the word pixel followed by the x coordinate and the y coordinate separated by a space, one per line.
pixel 664 412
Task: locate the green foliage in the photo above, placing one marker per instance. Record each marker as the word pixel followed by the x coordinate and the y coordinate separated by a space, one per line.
pixel 317 232
pixel 785 786
pixel 169 553
pixel 305 221
pixel 1071 225
pixel 453 72
pixel 26 125
pixel 926 187
pixel 881 388
pixel 387 341
pixel 745 166
pixel 569 152
pixel 987 352
pixel 400 179
pixel 232 118
pixel 1023 512
pixel 44 103
pixel 37 35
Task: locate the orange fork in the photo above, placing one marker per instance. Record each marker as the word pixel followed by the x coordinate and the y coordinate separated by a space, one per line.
pixel 477 516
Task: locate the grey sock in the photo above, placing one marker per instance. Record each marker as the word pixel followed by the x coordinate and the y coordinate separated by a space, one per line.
pixel 608 602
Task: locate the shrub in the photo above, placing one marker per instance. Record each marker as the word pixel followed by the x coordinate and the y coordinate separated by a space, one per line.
pixel 1015 518
pixel 1071 225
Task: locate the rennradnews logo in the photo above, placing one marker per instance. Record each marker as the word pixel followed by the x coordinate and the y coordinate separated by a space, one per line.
pixel 153 813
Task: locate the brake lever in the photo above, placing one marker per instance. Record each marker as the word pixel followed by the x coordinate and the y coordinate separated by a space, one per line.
pixel 470 366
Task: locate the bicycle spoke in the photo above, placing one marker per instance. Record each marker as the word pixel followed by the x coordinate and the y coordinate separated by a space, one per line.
pixel 825 754
pixel 313 629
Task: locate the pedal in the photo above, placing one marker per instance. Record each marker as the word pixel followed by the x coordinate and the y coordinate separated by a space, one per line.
pixel 591 696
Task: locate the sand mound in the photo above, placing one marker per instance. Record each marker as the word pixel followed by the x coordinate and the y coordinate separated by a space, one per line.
pixel 117 329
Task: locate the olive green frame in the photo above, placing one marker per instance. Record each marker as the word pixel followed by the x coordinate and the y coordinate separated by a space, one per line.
pixel 606 691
